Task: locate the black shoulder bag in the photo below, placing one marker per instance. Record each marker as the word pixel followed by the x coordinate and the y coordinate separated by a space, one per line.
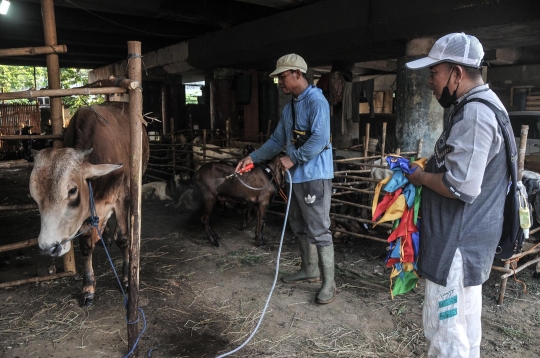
pixel 301 137
pixel 512 234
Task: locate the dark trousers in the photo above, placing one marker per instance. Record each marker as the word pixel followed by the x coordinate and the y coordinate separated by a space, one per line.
pixel 309 213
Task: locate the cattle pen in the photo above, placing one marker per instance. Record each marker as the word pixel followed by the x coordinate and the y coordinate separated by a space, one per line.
pixel 183 152
pixel 131 86
pixel 181 272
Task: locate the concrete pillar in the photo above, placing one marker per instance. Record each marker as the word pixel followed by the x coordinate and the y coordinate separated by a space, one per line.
pixel 418 114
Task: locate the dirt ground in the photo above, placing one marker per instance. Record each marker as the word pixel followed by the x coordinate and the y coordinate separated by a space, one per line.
pixel 201 301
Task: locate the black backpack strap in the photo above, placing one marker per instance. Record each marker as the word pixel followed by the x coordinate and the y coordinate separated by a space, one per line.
pixel 504 124
pixel 293 110
pixel 512 201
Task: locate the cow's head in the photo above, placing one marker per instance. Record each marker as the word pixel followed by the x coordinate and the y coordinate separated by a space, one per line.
pixel 58 185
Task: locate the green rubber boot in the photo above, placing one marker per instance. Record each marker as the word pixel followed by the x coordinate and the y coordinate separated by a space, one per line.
pixel 327 292
pixel 309 270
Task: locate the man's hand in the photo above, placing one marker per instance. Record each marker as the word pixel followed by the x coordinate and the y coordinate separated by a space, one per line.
pixel 430 180
pixel 417 177
pixel 285 163
pixel 242 163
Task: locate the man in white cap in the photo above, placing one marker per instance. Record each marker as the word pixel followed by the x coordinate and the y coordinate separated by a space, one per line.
pixel 304 132
pixel 464 189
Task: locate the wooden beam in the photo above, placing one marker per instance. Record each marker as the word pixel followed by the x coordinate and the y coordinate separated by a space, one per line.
pixel 19 245
pixel 61 92
pixel 30 137
pixel 36 279
pixel 32 51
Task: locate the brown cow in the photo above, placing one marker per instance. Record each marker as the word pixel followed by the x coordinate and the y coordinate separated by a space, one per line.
pixel 94 150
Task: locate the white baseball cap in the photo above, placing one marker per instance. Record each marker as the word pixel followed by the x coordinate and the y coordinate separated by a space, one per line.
pixel 456 48
pixel 289 62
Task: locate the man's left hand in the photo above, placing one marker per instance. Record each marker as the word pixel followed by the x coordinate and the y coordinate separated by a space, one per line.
pixel 285 163
pixel 415 178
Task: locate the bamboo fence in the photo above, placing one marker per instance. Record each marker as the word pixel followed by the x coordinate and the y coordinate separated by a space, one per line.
pixel 353 186
pixel 12 118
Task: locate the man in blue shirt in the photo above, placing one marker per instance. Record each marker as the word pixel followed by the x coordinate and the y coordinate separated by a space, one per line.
pixel 309 161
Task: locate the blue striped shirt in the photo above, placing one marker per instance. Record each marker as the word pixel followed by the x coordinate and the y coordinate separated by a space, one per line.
pixel 311 160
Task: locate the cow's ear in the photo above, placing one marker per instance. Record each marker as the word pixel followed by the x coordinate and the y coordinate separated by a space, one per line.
pixel 90 171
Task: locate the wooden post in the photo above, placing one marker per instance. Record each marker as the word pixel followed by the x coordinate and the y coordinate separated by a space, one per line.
pixel 173 142
pixel 191 125
pixel 135 110
pixel 503 284
pixel 522 151
pixel 164 112
pixel 53 67
pixel 227 132
pixel 268 129
pixel 204 146
pixel 419 150
pixel 366 143
pixel 53 75
pixel 383 144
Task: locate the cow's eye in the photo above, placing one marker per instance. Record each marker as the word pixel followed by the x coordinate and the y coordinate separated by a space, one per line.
pixel 72 191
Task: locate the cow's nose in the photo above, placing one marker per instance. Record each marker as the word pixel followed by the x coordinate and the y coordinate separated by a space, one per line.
pixel 55 250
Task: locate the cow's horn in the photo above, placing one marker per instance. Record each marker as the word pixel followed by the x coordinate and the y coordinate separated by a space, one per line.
pixel 83 154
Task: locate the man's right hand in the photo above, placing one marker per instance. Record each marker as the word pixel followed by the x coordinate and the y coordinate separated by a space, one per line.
pixel 242 163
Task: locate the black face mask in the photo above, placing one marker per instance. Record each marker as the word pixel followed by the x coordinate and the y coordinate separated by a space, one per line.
pixel 448 99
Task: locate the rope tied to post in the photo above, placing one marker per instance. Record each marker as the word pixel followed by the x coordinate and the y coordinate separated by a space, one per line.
pixel 131 56
pixel 94 221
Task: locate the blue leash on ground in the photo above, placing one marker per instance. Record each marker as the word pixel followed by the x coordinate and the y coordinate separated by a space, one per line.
pixel 94 222
pixel 275 276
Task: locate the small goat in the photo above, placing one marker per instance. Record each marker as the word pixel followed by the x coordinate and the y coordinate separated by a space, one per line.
pixel 210 179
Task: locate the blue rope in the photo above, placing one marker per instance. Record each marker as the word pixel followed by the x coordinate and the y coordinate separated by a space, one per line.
pixel 94 221
pixel 275 276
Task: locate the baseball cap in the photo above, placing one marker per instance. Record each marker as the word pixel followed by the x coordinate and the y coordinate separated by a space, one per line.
pixel 289 62
pixel 457 48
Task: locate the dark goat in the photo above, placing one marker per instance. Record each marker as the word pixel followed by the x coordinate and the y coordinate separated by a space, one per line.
pixel 210 179
pixel 531 181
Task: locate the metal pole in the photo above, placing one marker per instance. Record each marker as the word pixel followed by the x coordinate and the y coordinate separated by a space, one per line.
pixel 53 75
pixel 135 110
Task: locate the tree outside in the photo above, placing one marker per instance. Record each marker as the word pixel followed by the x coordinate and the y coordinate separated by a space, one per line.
pixel 21 78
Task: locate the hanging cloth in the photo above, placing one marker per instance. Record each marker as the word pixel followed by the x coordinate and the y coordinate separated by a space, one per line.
pixel 405 237
pixel 346 107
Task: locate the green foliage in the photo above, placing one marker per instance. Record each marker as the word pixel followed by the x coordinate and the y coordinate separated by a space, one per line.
pixel 191 99
pixel 75 77
pixel 21 78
